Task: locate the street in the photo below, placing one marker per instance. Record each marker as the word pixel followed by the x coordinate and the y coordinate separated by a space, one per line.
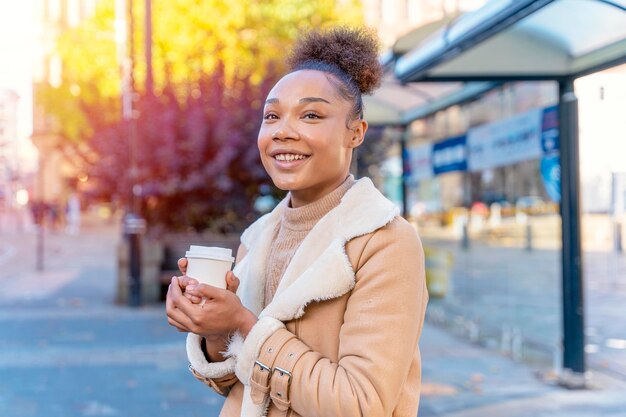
pixel 67 350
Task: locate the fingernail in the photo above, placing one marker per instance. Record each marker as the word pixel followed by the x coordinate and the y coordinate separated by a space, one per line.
pixel 191 287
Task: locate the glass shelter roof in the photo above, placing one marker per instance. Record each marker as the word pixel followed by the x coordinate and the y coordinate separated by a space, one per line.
pixel 523 39
pixel 397 104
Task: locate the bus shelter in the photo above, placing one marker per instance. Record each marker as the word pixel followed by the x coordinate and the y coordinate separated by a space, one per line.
pixel 525 40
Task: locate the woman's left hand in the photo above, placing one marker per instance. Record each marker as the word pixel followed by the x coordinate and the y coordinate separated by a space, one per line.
pixel 220 313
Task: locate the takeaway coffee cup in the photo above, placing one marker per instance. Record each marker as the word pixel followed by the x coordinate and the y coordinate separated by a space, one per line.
pixel 209 265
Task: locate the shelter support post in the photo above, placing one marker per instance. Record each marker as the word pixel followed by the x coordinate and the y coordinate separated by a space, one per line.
pixel 573 374
pixel 405 168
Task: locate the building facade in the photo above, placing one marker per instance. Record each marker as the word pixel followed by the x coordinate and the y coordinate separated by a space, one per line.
pixel 10 169
pixel 57 170
pixel 394 18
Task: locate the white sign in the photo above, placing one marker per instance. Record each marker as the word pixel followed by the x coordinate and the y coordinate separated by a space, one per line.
pixel 420 162
pixel 505 142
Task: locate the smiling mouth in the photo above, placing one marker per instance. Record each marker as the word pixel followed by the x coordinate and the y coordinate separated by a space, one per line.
pixel 288 157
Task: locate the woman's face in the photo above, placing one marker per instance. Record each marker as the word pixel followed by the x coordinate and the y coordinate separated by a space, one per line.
pixel 304 142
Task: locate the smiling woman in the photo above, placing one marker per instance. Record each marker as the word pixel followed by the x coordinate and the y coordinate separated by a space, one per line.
pixel 304 142
pixel 325 306
pixel 313 117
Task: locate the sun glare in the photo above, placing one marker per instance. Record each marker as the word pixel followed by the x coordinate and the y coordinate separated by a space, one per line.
pixel 16 43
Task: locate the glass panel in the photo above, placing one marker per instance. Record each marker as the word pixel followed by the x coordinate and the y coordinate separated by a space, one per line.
pixel 492 236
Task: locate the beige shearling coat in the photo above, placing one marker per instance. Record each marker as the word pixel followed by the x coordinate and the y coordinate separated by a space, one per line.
pixel 340 337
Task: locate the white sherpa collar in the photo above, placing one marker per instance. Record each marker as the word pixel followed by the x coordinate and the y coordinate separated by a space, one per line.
pixel 320 269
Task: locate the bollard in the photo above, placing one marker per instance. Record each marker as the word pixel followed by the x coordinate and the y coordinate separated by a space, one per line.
pixel 465 242
pixel 529 236
pixel 618 237
pixel 517 345
pixel 505 340
pixel 134 228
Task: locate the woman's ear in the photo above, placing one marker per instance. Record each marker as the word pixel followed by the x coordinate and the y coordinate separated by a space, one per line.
pixel 358 133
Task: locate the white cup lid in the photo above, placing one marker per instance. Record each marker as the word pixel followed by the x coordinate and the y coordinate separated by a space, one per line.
pixel 208 252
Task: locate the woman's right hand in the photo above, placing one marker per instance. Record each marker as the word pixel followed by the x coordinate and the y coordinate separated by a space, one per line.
pixel 182 265
pixel 232 282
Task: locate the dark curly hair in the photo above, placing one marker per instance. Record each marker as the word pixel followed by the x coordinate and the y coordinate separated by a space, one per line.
pixel 350 55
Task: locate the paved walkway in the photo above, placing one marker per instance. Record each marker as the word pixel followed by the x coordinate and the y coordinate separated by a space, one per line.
pixel 510 298
pixel 465 380
pixel 67 350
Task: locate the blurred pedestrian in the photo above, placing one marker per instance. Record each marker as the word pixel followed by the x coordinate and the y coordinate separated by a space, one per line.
pixel 53 213
pixel 72 214
pixel 328 313
pixel 38 212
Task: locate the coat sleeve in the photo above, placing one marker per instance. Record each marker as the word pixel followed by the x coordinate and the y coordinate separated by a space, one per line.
pixel 220 376
pixel 378 342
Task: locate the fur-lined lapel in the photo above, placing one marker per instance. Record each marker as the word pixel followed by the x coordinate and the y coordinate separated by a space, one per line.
pixel 320 268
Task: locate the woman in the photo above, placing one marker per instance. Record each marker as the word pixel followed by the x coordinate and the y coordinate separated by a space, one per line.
pixel 327 318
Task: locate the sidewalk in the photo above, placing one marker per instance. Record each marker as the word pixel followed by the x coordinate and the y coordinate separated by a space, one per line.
pixel 512 296
pixel 464 380
pixel 67 350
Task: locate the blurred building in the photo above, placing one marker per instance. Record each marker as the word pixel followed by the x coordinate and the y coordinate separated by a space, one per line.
pixel 58 168
pixel 602 136
pixel 9 146
pixel 497 180
pixel 394 18
pixel 601 127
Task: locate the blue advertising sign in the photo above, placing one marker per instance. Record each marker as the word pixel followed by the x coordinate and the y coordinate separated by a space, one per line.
pixel 550 167
pixel 450 155
pixel 550 129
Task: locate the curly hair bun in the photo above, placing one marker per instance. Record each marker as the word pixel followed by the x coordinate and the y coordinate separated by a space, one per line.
pixel 352 50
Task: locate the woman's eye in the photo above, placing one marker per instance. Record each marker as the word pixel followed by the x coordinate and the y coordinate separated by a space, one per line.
pixel 311 115
pixel 270 116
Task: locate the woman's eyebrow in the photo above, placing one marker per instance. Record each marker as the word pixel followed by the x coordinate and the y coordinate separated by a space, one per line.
pixel 302 100
pixel 313 100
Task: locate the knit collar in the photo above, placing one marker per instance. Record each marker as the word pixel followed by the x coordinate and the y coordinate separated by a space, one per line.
pixel 305 217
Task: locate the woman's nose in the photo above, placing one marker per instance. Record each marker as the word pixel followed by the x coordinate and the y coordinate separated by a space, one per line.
pixel 285 132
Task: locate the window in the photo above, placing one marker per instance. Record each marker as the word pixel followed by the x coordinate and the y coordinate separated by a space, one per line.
pixel 73 12
pixel 54 10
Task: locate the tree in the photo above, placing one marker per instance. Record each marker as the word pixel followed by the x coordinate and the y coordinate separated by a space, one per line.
pixel 214 62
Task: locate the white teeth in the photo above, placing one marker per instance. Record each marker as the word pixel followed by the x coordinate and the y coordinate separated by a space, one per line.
pixel 289 157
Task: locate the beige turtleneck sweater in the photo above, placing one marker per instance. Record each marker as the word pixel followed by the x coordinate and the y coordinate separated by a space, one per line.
pixel 294 225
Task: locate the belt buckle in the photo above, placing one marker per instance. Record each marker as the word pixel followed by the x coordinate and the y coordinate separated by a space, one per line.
pixel 263 367
pixel 283 372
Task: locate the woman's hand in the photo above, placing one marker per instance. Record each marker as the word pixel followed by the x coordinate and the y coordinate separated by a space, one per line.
pixel 218 314
pixel 221 310
pixel 232 282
